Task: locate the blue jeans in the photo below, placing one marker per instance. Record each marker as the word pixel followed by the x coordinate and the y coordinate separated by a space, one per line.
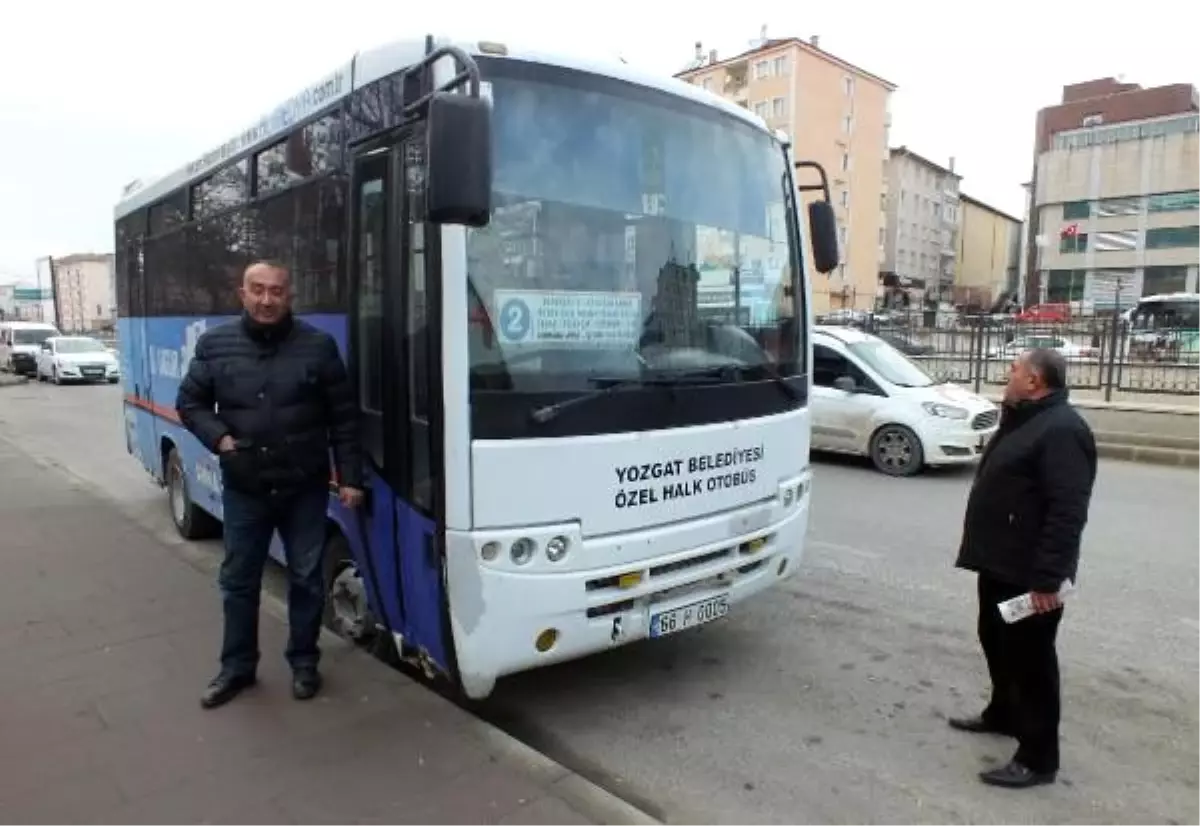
pixel 250 522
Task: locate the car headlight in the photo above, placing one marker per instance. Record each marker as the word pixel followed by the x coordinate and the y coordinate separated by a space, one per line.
pixel 944 411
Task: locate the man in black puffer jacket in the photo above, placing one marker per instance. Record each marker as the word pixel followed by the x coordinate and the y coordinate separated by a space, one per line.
pixel 269 395
pixel 1025 517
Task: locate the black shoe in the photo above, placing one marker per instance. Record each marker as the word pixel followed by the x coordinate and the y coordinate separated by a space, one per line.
pixel 1016 776
pixel 305 684
pixel 978 725
pixel 224 688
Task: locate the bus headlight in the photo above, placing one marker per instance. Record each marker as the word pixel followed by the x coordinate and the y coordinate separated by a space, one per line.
pixel 522 550
pixel 556 548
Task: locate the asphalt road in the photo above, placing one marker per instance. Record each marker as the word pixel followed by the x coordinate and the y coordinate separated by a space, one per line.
pixel 824 701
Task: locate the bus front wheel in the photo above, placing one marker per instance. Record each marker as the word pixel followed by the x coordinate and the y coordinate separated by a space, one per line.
pixel 192 521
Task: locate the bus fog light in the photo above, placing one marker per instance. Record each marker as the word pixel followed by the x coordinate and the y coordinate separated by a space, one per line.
pixel 556 548
pixel 490 550
pixel 522 550
pixel 546 640
pixel 787 498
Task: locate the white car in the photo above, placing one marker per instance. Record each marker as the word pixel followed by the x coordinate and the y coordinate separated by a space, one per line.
pixel 1020 344
pixel 869 400
pixel 65 359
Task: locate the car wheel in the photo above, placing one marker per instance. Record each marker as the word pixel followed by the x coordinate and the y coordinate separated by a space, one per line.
pixel 192 521
pixel 57 379
pixel 897 451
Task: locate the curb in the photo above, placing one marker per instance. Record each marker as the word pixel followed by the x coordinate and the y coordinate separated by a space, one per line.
pixel 1113 437
pixel 1149 454
pixel 587 798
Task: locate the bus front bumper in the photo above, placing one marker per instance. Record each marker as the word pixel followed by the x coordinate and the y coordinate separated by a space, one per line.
pixel 507 621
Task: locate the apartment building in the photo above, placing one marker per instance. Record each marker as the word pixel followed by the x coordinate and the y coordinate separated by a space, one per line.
pixel 834 113
pixel 1114 207
pixel 920 242
pixel 84 292
pixel 989 244
pixel 1120 211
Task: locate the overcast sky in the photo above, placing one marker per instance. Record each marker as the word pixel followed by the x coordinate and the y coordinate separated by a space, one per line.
pixel 97 94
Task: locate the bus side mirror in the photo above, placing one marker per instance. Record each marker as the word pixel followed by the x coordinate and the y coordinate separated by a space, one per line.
pixel 822 229
pixel 458 177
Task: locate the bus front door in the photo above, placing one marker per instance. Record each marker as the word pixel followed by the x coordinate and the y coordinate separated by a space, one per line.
pixel 394 337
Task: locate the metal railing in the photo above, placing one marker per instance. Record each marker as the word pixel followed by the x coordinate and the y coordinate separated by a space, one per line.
pixel 1103 353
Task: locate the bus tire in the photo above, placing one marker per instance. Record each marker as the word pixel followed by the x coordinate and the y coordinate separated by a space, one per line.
pixel 347 610
pixel 192 521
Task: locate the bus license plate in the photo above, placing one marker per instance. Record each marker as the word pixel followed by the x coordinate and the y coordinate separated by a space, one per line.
pixel 688 616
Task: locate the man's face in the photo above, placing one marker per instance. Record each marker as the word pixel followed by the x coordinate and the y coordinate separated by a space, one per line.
pixel 266 293
pixel 1023 381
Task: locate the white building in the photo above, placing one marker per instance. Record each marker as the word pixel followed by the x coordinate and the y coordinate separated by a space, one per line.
pixel 85 292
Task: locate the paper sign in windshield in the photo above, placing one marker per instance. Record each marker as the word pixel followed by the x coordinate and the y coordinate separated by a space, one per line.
pixel 568 317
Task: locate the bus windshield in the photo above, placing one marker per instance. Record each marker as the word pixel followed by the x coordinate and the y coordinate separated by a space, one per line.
pixel 633 233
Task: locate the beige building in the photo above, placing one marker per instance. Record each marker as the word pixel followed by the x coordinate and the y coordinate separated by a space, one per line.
pixel 921 237
pixel 1119 210
pixel 834 113
pixel 85 292
pixel 989 243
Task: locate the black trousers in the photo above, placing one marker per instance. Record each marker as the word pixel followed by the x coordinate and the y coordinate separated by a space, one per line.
pixel 1023 663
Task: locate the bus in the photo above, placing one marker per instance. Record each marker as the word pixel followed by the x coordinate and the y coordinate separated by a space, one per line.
pixel 564 454
pixel 1165 327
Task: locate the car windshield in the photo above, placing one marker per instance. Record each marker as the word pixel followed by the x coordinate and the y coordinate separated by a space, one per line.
pixel 890 363
pixel 633 233
pixel 32 336
pixel 79 345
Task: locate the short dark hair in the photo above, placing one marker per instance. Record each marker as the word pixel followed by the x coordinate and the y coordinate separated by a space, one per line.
pixel 1050 365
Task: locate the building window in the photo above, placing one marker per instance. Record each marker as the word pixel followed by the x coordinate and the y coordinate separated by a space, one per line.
pixel 781 67
pixel 1121 240
pixel 762 109
pixel 848 86
pixel 1075 242
pixel 706 84
pixel 1063 286
pixel 845 161
pixel 1159 280
pixel 845 197
pixel 883 202
pixel 778 107
pixel 1174 201
pixel 1172 237
pixel 1118 206
pixel 1077 209
pixel 848 124
pixel 882 236
pixel 762 69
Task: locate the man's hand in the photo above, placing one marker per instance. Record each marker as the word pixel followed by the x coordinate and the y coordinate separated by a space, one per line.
pixel 1043 602
pixel 350 497
pixel 226 444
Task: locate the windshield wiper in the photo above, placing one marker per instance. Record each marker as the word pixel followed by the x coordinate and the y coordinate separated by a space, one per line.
pixel 549 412
pixel 667 378
pixel 734 373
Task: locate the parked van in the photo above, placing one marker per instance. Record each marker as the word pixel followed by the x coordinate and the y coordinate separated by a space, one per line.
pixel 868 399
pixel 20 343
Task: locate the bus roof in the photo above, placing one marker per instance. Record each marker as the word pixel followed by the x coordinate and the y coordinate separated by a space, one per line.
pixel 1149 299
pixel 363 69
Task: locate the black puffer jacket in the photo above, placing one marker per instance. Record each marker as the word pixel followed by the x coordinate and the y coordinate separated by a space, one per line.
pixel 1029 504
pixel 282 393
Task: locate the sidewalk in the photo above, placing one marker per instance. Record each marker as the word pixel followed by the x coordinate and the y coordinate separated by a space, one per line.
pixel 107 637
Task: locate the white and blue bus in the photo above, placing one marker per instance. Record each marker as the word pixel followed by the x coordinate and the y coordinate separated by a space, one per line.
pixel 568 450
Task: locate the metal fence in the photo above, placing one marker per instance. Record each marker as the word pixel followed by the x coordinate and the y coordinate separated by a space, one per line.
pixel 1104 354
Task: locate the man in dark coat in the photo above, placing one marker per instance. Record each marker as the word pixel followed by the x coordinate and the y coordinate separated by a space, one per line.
pixel 1025 516
pixel 269 395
